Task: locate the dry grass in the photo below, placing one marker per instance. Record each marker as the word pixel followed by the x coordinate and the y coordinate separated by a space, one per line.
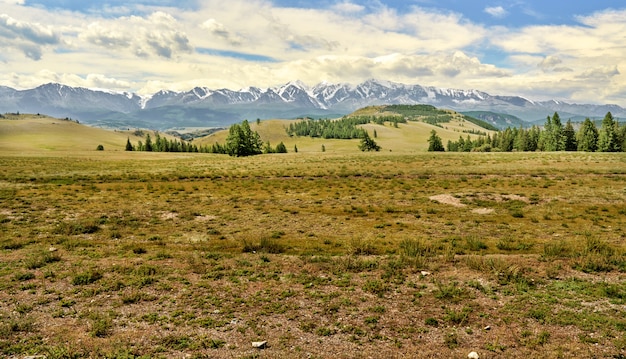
pixel 124 255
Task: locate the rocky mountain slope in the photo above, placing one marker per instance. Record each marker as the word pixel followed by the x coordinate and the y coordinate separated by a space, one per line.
pixel 204 107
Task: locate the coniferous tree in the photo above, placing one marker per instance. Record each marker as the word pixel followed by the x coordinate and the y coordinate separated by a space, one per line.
pixel 148 145
pixel 569 136
pixel 434 142
pixel 587 137
pixel 129 146
pixel 368 144
pixel 242 141
pixel 607 136
pixel 281 148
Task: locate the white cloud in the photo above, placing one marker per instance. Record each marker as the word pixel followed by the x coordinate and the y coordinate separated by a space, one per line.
pixel 600 73
pixel 220 31
pixel 158 34
pixel 496 11
pixel 28 37
pixel 346 42
pixel 348 7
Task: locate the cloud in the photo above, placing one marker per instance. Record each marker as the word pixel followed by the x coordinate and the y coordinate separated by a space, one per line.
pixel 348 7
pixel 28 37
pixel 45 76
pixel 158 34
pixel 220 31
pixel 12 2
pixel 496 11
pixel 600 73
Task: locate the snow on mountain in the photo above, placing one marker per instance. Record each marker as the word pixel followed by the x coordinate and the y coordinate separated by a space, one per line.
pixel 202 105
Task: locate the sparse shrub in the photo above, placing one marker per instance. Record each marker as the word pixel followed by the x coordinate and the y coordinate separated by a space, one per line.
pixel 376 287
pixel 458 317
pixel 362 247
pixel 556 250
pixel 22 277
pixel 100 326
pixel 474 244
pixel 451 340
pixel 77 227
pixel 41 260
pixel 432 322
pixel 85 278
pixel 450 292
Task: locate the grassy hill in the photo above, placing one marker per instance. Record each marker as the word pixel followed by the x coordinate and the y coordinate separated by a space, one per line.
pixel 36 132
pixel 406 137
pixel 43 133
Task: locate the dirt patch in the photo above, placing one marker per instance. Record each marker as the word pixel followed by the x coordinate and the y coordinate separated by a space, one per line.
pixel 448 199
pixel 483 210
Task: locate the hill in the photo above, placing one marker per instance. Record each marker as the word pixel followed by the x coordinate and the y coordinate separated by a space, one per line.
pixel 43 133
pixel 410 136
pixel 500 120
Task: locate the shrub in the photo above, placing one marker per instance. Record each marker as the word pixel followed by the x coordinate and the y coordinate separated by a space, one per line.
pixel 86 278
pixel 22 277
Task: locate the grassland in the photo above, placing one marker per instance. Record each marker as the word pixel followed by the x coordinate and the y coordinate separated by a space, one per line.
pixel 338 254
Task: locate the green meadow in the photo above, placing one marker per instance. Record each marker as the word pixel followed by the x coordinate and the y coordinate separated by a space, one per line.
pixel 398 253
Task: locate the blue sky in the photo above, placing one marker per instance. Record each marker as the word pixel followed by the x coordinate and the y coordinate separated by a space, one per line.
pixel 572 51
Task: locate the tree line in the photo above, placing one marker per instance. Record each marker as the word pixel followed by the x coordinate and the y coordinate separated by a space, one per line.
pixel 344 128
pixel 241 141
pixel 554 136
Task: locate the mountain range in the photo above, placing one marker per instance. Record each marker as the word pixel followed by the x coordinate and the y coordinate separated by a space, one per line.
pixel 204 107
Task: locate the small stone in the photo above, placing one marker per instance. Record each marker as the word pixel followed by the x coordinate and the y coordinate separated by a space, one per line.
pixel 259 345
pixel 424 273
pixel 52 249
pixel 473 355
pixel 488 327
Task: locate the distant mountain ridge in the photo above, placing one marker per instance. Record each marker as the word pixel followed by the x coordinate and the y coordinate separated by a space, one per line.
pixel 205 107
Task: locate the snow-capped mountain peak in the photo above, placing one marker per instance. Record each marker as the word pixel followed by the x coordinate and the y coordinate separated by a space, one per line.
pixel 202 105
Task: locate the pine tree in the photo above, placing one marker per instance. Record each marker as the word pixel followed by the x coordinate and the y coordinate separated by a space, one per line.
pixel 569 135
pixel 281 148
pixel 242 141
pixel 148 145
pixel 434 142
pixel 129 146
pixel 607 136
pixel 368 144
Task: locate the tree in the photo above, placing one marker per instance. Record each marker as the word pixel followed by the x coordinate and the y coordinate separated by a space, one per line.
pixel 368 144
pixel 281 148
pixel 242 141
pixel 295 148
pixel 129 146
pixel 148 145
pixel 551 138
pixel 323 148
pixel 607 136
pixel 100 148
pixel 587 137
pixel 434 142
pixel 569 136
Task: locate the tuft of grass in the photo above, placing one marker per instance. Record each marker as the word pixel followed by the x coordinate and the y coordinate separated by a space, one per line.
pixel 87 277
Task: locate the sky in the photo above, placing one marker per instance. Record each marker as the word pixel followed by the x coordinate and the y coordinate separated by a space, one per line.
pixel 572 50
